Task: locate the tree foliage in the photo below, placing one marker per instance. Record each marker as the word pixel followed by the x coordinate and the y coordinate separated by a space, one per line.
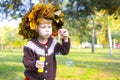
pixel 9 37
pixel 78 14
pixel 78 8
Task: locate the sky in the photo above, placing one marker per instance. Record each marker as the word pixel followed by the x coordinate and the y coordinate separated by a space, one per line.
pixel 12 23
pixel 15 23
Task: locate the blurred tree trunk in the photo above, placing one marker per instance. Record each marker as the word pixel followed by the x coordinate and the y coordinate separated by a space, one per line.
pixel 110 40
pixel 109 36
pixel 93 37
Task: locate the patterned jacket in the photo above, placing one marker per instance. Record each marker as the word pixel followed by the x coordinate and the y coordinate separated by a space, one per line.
pixel 33 50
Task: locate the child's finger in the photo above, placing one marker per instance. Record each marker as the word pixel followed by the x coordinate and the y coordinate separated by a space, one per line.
pixel 39 64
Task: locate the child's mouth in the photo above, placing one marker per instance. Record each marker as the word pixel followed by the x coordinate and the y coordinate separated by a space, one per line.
pixel 47 35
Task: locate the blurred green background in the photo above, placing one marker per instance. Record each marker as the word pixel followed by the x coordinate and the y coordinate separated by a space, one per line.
pixel 80 64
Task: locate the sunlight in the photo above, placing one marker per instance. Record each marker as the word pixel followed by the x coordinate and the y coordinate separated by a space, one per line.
pixel 11 23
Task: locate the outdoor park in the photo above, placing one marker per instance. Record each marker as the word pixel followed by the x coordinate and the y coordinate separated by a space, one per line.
pixel 80 64
pixel 94 30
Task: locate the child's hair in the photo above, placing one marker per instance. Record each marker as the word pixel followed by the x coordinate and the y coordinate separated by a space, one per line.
pixel 34 17
pixel 44 21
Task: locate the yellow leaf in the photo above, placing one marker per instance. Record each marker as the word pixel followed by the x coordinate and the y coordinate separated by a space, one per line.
pixel 11 6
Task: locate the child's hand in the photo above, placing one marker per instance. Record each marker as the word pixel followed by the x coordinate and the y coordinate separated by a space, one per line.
pixel 63 33
pixel 39 64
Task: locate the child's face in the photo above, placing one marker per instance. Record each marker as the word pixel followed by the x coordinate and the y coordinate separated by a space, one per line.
pixel 45 30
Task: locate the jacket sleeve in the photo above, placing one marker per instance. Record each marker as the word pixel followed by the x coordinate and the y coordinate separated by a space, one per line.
pixel 29 59
pixel 63 48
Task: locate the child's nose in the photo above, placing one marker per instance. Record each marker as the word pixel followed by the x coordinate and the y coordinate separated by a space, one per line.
pixel 47 30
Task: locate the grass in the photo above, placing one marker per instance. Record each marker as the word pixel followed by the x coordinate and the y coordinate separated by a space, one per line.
pixel 80 64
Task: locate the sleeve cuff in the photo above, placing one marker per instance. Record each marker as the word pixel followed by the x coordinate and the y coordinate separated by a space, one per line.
pixel 66 40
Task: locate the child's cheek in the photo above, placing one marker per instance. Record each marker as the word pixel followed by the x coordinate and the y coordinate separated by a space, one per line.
pixel 50 31
pixel 41 31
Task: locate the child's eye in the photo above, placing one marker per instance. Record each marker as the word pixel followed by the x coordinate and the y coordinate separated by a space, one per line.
pixel 43 27
pixel 49 26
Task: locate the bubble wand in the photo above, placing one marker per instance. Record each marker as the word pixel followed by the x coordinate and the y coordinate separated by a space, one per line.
pixel 42 60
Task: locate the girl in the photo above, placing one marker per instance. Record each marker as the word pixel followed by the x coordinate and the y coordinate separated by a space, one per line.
pixel 39 25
